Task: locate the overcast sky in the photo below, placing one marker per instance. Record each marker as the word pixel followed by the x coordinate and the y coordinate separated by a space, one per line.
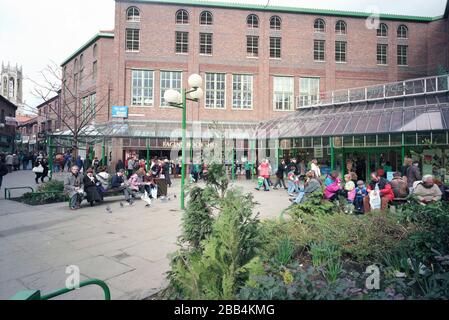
pixel 34 33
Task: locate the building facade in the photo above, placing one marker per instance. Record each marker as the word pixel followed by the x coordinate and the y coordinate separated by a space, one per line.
pixel 8 125
pixel 11 85
pixel 258 63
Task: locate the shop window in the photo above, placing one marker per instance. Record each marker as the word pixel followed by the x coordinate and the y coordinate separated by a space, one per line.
pixel 338 142
pixel 439 138
pixel 424 138
pixel 371 141
pixel 317 142
pixel 326 142
pixel 359 141
pixel 297 143
pixel 307 142
pixel 396 139
pixel 410 139
pixel 348 141
pixel 383 140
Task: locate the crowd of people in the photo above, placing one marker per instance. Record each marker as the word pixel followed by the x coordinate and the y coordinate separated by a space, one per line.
pixel 133 182
pixel 360 196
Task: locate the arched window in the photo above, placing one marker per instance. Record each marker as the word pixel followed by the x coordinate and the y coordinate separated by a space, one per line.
pixel 340 27
pixel 133 14
pixel 252 21
pixel 182 17
pixel 320 25
pixel 95 51
pixel 382 31
pixel 402 32
pixel 75 67
pixel 275 23
pixel 81 61
pixel 206 18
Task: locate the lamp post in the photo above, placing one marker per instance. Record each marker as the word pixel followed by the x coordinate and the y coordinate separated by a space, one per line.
pixel 179 100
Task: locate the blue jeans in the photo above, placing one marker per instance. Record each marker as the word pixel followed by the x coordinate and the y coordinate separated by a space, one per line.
pixel 292 187
pixel 300 196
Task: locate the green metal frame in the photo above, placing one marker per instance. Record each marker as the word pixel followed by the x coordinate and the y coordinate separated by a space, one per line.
pixel 36 294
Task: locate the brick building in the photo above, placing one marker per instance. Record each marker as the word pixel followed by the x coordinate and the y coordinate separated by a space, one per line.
pixel 8 125
pixel 257 63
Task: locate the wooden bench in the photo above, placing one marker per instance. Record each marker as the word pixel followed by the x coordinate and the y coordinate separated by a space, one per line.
pixel 398 202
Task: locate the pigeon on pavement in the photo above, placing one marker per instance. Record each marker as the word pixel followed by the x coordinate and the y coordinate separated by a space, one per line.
pixel 122 205
pixel 108 209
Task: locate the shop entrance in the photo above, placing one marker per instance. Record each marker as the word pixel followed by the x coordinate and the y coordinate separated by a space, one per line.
pixel 365 161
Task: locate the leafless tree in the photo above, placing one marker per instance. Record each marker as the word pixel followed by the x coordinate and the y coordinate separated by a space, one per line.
pixel 75 111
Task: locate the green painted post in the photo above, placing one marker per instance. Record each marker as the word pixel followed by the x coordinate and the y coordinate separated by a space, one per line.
pixel 103 154
pixel 184 128
pixel 403 154
pixel 332 154
pixel 233 164
pixel 343 170
pixel 50 157
pixel 91 152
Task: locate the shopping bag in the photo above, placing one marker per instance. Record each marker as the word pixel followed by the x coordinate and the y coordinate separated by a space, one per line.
pixel 374 200
pixel 39 169
pixel 146 198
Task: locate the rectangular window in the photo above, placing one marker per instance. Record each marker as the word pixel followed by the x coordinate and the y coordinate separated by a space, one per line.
pixel 242 91
pixel 283 93
pixel 182 42
pixel 170 80
pixel 94 70
pixel 206 43
pixel 215 90
pixel 85 109
pixel 132 40
pixel 275 47
pixel 318 50
pixel 252 46
pixel 142 88
pixel 309 91
pixel 340 51
pixel 382 50
pixel 402 55
pixel 93 105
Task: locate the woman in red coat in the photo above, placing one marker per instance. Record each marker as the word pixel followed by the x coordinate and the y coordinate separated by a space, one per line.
pixel 385 190
pixel 264 171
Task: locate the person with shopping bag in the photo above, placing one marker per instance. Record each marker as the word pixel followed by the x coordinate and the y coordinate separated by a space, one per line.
pixel 38 170
pixel 380 194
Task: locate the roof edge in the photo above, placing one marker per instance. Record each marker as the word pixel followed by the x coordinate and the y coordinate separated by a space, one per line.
pixel 87 44
pixel 356 14
pixel 8 102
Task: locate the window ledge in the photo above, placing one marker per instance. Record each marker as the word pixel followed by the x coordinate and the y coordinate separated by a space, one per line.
pixel 319 61
pixel 242 109
pixel 341 62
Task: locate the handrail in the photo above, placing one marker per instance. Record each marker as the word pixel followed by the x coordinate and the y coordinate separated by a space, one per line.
pixel 8 191
pixel 390 90
pixel 102 284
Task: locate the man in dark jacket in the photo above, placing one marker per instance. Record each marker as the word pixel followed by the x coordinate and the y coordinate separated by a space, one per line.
pixel 118 183
pixel 280 173
pixel 412 173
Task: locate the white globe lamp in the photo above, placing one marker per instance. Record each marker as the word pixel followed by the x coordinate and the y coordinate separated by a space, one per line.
pixel 195 81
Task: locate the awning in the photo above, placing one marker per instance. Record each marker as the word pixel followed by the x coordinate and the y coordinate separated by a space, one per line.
pixel 153 129
pixel 411 114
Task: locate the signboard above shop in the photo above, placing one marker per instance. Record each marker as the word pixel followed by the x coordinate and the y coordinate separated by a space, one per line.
pixel 120 112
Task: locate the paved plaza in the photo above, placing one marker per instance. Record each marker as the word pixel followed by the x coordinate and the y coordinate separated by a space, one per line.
pixel 127 248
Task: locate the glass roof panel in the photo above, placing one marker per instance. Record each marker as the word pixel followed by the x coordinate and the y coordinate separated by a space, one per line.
pixel 396 121
pixel 385 122
pixel 409 120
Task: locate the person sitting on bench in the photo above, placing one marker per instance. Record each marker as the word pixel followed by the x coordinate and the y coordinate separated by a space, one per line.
pixel 74 188
pixel 119 184
pixel 427 191
pixel 399 186
pixel 385 190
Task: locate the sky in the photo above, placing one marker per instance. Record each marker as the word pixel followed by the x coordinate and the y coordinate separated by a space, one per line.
pixel 35 34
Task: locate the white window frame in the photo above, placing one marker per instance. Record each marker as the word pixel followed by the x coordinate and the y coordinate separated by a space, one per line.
pixel 215 91
pixel 133 18
pixel 380 54
pixel 315 50
pixel 399 34
pixel 93 105
pixel 132 41
pixel 206 45
pixel 386 31
pixel 181 43
pixel 338 28
pixel 183 20
pixel 254 21
pixel 402 55
pixel 142 88
pixel 317 30
pixel 341 53
pixel 276 49
pixel 252 47
pixel 285 93
pixel 208 18
pixel 305 91
pixel 249 77
pixel 162 88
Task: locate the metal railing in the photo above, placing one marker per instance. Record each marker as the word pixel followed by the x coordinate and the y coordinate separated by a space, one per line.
pixel 36 294
pixel 400 89
pixel 8 191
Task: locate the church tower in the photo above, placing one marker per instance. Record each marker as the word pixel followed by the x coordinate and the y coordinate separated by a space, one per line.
pixel 11 85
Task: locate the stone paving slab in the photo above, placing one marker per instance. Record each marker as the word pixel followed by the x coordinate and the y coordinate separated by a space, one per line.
pixel 127 249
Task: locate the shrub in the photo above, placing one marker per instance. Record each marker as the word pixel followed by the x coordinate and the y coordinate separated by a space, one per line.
pixel 315 205
pixel 286 250
pixel 50 192
pixel 197 219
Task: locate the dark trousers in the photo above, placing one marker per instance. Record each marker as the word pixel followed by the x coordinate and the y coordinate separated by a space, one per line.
pixel 248 174
pixel 280 182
